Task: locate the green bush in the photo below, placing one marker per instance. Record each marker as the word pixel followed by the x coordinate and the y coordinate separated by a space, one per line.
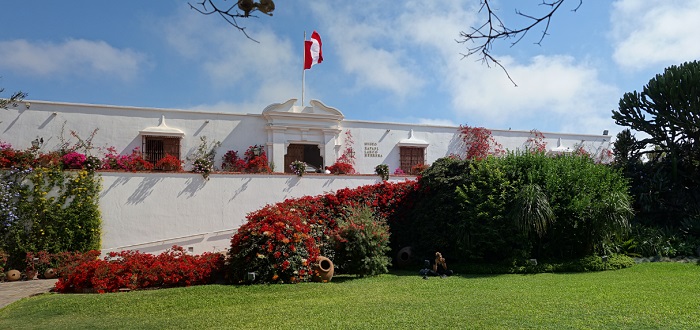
pixel 523 205
pixel 362 243
pixel 55 211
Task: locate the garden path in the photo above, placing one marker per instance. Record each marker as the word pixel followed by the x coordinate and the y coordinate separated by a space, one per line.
pixel 13 291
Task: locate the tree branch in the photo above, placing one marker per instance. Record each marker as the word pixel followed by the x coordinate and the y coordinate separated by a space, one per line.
pixel 240 9
pixel 484 36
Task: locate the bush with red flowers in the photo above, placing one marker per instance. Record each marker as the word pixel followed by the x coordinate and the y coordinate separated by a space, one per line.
pixel 135 270
pixel 73 160
pixel 256 163
pixel 169 163
pixel 230 162
pixel 280 242
pixel 132 162
pixel 341 168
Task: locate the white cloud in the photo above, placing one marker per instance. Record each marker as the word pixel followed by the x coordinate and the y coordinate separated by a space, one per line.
pixel 261 73
pixel 553 93
pixel 648 33
pixel 366 44
pixel 75 56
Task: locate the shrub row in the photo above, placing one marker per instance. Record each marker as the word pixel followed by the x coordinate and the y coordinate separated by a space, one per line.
pixel 135 270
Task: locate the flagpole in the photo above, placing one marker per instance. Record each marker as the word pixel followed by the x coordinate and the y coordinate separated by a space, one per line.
pixel 303 70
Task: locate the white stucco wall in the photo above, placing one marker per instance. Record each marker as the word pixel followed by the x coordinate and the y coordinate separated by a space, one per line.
pixel 152 211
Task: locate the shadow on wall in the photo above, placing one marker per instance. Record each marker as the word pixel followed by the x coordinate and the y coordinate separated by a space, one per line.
pixel 456 145
pixel 193 185
pixel 144 190
pixel 291 183
pixel 244 187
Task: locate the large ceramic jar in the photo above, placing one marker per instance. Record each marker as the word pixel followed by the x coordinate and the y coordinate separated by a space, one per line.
pixel 49 273
pixel 323 270
pixel 13 275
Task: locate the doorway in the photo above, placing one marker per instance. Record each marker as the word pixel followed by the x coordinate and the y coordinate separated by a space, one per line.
pixel 307 153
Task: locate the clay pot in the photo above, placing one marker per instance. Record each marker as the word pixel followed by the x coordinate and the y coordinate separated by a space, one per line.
pixel 50 273
pixel 403 258
pixel 13 275
pixel 323 270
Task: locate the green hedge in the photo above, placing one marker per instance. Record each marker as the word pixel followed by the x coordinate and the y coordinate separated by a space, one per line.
pixel 52 210
pixel 472 210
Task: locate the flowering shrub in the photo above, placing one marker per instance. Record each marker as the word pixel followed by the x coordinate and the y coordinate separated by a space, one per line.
pixel 73 160
pixel 203 158
pixel 264 243
pixel 49 159
pixel 479 143
pixel 341 168
pixel 535 143
pixel 135 270
pixel 132 162
pixel 383 171
pixel 256 163
pixel 7 155
pixel 40 262
pixel 169 163
pixel 399 171
pixel 276 244
pixel 418 169
pixel 231 162
pixel 9 198
pixel 298 167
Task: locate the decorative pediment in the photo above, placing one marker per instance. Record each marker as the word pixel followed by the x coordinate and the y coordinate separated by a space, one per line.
pixel 412 141
pixel 162 130
pixel 315 115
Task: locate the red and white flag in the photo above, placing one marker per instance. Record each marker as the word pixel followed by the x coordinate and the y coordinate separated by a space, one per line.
pixel 312 51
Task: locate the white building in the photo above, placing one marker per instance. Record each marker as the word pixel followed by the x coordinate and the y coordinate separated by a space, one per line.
pixel 317 134
pixel 152 211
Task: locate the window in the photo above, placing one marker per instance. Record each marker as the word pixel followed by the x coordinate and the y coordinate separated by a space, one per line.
pixel 156 147
pixel 410 157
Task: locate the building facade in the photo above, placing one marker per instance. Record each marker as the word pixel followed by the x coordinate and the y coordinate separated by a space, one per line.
pixel 316 134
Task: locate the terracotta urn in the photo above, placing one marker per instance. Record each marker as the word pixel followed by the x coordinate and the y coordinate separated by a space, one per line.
pixel 403 258
pixel 50 273
pixel 323 270
pixel 13 275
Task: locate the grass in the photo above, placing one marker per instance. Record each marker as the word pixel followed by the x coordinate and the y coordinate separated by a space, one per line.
pixel 646 296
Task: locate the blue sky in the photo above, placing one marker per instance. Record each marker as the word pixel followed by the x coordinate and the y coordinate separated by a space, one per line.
pixel 383 61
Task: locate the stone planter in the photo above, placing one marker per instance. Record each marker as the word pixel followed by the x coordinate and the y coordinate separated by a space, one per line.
pixel 322 270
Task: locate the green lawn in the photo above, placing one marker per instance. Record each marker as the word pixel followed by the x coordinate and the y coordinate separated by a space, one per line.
pixel 646 296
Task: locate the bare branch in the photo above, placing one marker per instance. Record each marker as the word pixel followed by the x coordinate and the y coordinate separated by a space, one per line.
pixel 484 36
pixel 240 9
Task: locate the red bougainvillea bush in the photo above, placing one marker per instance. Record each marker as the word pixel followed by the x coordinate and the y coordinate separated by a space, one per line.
pixel 136 270
pixel 281 242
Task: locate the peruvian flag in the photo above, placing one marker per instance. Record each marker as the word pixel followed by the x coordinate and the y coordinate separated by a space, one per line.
pixel 312 51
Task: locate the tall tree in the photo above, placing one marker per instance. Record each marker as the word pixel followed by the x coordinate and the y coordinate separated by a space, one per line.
pixel 668 110
pixel 667 187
